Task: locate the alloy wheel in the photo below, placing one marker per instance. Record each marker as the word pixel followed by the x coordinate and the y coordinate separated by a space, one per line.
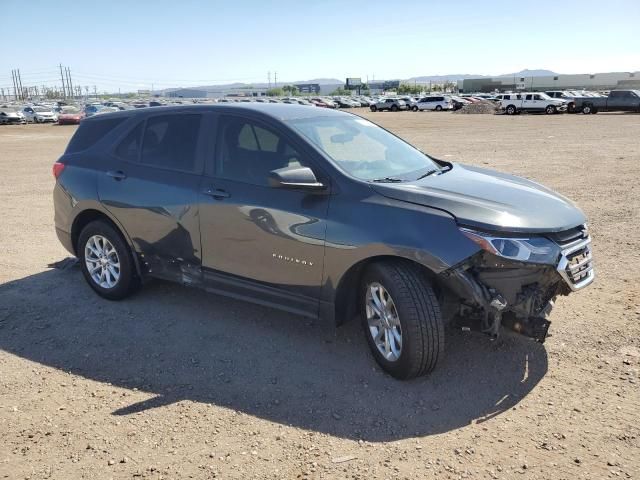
pixel 102 261
pixel 383 321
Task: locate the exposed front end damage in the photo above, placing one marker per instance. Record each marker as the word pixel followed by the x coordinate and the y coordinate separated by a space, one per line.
pixel 487 291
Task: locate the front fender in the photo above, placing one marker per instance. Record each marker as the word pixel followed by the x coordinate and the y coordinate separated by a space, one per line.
pixel 384 227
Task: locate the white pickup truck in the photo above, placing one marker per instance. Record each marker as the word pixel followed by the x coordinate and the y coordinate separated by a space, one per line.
pixel 513 103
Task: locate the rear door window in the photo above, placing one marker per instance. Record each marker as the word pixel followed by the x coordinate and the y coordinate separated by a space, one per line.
pixel 92 132
pixel 170 141
pixel 129 148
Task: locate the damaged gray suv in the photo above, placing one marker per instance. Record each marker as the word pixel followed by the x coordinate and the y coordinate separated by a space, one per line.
pixel 319 213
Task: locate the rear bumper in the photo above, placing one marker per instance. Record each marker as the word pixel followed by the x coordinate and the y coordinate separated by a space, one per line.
pixel 65 240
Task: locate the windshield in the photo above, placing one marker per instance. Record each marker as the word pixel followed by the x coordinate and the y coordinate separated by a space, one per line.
pixel 363 149
pixel 41 109
pixel 70 110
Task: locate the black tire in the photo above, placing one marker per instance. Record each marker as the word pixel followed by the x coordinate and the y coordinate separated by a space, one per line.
pixel 587 109
pixel 418 310
pixel 438 108
pixel 414 108
pixel 571 108
pixel 394 108
pixel 373 108
pixel 511 110
pixel 128 281
pixel 550 110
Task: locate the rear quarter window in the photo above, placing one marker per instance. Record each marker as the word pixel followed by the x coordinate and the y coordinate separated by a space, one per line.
pixel 89 133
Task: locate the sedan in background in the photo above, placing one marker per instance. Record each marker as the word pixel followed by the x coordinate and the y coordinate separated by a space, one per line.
pixel 91 110
pixel 11 116
pixel 38 114
pixel 70 115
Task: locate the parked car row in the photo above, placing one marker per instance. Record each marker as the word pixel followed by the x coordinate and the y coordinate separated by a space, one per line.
pixel 59 112
pixel 550 102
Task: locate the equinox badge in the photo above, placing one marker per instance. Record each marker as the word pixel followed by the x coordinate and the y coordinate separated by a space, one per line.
pixel 284 258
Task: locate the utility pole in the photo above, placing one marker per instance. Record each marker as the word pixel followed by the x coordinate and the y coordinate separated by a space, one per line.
pixel 70 85
pixel 269 78
pixel 20 84
pixel 64 91
pixel 15 86
pixel 275 79
pixel 95 92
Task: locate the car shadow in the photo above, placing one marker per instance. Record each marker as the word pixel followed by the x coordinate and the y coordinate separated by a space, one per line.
pixel 178 343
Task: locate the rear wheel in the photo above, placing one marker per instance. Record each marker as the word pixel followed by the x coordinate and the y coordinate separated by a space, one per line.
pixel 401 319
pixel 373 108
pixel 106 261
pixel 394 108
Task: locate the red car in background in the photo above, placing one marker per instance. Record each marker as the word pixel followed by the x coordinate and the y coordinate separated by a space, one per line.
pixel 70 116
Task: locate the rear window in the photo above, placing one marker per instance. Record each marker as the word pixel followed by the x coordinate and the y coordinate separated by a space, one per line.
pixel 170 141
pixel 91 132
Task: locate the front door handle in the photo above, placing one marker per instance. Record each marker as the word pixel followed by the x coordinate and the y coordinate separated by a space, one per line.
pixel 216 193
pixel 117 174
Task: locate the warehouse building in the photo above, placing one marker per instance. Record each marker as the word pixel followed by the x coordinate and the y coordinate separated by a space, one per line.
pixel 308 88
pixel 596 81
pixel 187 93
pixel 216 92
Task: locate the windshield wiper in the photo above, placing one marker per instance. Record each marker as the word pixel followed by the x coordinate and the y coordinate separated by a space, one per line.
pixel 430 172
pixel 387 180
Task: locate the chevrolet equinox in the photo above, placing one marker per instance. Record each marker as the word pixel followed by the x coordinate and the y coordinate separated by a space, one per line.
pixel 320 213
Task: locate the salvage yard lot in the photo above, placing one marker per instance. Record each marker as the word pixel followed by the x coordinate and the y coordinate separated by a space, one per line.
pixel 178 383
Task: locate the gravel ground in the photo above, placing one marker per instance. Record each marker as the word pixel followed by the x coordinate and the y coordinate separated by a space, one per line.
pixel 177 383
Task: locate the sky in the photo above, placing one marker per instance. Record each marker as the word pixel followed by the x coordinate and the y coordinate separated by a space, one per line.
pixel 138 44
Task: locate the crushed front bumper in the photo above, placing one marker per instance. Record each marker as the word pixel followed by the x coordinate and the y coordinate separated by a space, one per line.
pixel 487 292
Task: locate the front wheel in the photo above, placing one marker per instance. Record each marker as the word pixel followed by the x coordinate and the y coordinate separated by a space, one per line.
pixel 511 110
pixel 438 108
pixel 394 108
pixel 401 319
pixel 587 109
pixel 414 108
pixel 106 261
pixel 550 110
pixel 373 108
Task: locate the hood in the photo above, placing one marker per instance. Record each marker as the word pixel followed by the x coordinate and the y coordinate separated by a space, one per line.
pixel 489 200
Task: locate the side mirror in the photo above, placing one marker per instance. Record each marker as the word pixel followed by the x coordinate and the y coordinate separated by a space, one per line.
pixel 295 177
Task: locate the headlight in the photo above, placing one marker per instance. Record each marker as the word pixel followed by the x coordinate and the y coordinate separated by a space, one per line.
pixel 521 249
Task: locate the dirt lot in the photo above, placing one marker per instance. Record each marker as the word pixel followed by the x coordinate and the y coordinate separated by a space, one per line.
pixel 177 383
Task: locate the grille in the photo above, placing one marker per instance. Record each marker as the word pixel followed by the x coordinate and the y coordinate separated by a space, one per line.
pixel 579 265
pixel 576 261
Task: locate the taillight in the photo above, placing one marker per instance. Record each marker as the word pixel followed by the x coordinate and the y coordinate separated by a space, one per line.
pixel 57 169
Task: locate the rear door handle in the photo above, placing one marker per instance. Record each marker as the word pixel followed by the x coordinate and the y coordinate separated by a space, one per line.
pixel 216 193
pixel 117 174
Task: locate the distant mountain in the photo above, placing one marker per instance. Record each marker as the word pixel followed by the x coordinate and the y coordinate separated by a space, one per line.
pixel 331 83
